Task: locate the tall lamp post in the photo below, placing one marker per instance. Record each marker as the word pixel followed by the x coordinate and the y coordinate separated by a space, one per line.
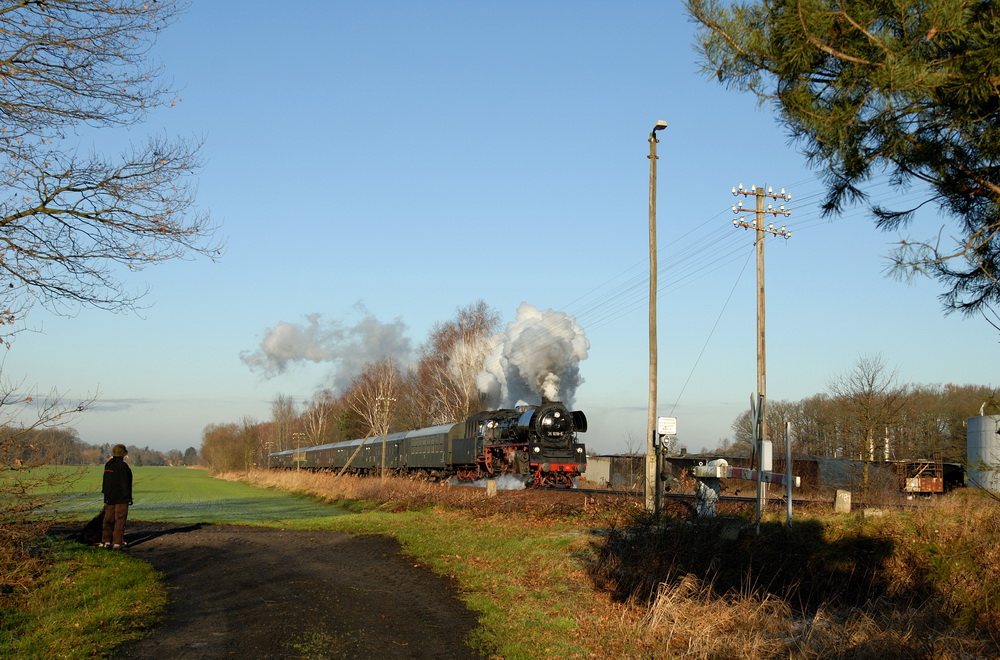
pixel 652 478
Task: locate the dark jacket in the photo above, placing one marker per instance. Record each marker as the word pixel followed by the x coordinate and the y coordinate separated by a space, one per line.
pixel 117 481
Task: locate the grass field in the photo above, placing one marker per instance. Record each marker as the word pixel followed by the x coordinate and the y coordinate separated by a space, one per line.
pixel 172 494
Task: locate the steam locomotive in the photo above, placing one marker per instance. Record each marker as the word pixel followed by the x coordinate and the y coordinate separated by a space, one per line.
pixel 536 444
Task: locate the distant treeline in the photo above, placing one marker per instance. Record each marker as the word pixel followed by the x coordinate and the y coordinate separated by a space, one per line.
pixel 62 446
pixel 867 417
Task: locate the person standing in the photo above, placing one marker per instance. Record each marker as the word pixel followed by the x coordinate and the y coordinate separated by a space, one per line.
pixel 117 498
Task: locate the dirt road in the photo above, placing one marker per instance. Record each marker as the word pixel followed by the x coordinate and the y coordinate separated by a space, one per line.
pixel 255 592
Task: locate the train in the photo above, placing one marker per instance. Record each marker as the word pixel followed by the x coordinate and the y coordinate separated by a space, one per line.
pixel 534 444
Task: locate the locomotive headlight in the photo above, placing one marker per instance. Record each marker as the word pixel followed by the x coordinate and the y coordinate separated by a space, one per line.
pixel 536 449
pixel 579 450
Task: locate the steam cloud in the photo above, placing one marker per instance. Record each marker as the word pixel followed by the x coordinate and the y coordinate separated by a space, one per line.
pixel 538 356
pixel 349 347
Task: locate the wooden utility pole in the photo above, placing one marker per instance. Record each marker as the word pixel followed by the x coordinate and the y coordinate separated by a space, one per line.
pixel 761 344
pixel 757 224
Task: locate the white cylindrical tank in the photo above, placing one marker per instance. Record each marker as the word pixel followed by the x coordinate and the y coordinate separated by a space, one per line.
pixel 984 452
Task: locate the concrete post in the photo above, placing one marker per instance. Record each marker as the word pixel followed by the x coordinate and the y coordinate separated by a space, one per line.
pixel 843 502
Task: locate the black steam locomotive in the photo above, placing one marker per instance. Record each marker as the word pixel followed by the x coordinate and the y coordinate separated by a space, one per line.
pixel 536 444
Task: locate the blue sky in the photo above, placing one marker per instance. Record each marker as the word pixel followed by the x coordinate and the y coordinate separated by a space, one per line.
pixel 414 158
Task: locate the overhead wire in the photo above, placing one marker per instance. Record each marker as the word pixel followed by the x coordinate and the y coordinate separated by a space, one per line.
pixel 711 333
pixel 705 249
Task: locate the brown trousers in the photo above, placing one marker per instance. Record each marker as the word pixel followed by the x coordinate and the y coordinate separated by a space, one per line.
pixel 115 516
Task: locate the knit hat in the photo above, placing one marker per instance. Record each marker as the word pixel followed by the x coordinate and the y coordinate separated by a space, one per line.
pixel 119 450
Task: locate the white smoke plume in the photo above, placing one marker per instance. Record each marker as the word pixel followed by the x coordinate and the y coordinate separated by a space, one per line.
pixel 348 347
pixel 503 481
pixel 537 357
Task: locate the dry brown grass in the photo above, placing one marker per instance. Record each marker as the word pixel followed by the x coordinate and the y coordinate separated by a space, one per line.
pixel 915 583
pixel 691 620
pixel 403 494
pixel 19 567
pixel 954 545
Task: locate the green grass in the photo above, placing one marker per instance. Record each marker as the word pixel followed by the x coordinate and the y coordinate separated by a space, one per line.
pixel 87 602
pixel 171 494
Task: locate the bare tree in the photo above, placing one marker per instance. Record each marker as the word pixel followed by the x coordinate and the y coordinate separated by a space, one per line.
pixel 371 397
pixel 250 442
pixel 452 359
pixel 70 219
pixel 634 445
pixel 72 223
pixel 817 429
pixel 282 415
pixel 873 401
pixel 778 412
pixel 220 447
pixel 318 417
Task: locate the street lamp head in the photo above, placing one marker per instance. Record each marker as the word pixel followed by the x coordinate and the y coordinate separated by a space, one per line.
pixel 660 125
